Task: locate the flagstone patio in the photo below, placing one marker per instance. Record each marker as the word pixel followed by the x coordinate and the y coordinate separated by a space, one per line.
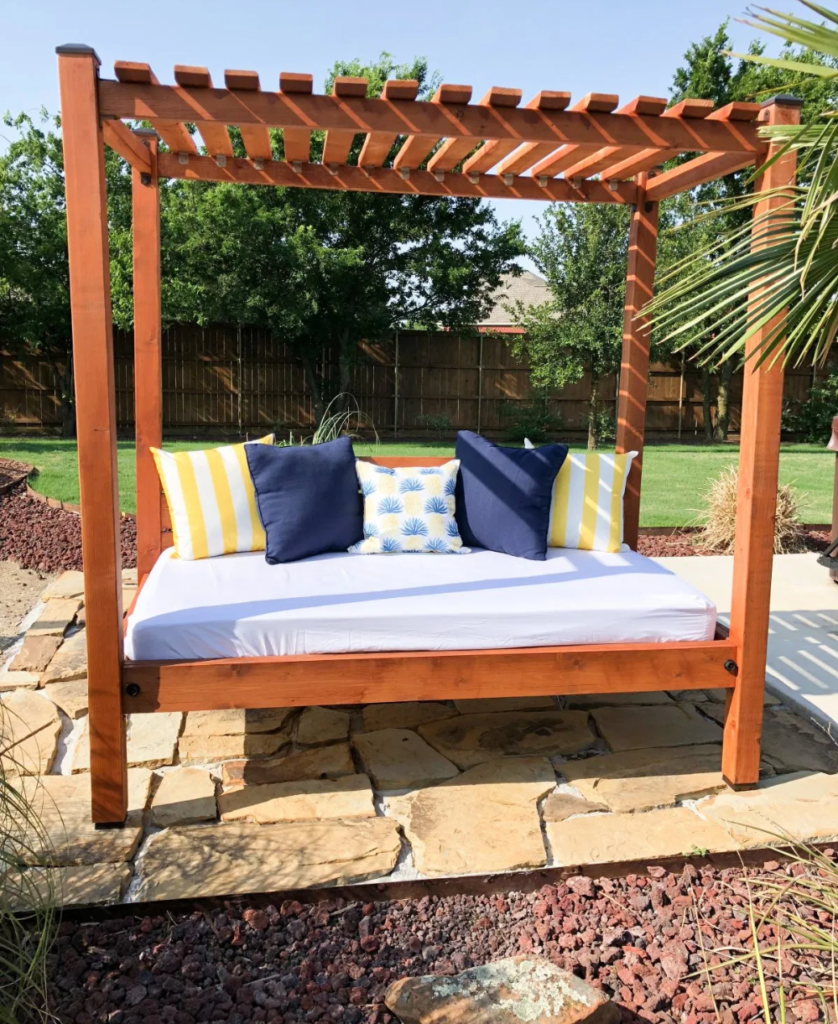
pixel 226 802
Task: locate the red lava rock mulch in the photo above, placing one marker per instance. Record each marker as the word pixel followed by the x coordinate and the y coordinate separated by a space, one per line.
pixel 685 542
pixel 49 539
pixel 13 473
pixel 643 939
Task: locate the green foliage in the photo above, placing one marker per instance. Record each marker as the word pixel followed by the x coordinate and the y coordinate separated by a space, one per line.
pixel 438 422
pixel 581 250
pixel 703 305
pixel 533 420
pixel 812 421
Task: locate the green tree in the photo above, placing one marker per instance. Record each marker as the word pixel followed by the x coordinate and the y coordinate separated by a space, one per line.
pixel 34 276
pixel 709 217
pixel 582 252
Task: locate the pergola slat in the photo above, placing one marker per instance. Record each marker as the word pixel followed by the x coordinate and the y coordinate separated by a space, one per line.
pixel 257 140
pixel 338 142
pixel 419 118
pixel 216 137
pixel 554 160
pixel 377 145
pixel 603 158
pixel 296 141
pixel 493 151
pixel 388 180
pixel 454 151
pixel 417 147
pixel 173 133
pixel 627 164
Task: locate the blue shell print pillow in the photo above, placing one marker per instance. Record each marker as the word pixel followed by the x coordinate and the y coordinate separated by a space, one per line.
pixel 409 509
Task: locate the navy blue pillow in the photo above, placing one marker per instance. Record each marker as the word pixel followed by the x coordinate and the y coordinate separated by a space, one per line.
pixel 504 495
pixel 308 498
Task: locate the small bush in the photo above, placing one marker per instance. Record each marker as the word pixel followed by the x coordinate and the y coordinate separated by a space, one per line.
pixel 719 516
pixel 342 418
pixel 813 420
pixel 439 423
pixel 533 419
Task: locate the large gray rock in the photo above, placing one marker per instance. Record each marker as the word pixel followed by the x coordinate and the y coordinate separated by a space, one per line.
pixel 473 739
pixel 519 990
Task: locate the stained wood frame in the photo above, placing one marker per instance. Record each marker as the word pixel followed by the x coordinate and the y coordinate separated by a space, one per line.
pixel 445 146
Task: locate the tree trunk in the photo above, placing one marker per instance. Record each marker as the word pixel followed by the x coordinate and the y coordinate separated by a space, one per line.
pixel 314 387
pixel 593 410
pixel 707 402
pixel 722 427
pixel 63 383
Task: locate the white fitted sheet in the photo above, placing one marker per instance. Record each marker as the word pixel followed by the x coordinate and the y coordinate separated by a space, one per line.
pixel 239 606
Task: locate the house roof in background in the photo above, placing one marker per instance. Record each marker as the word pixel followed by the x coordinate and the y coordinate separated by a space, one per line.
pixel 526 287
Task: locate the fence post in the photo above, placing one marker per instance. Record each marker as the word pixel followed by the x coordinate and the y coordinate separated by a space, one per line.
pixel 396 389
pixel 480 385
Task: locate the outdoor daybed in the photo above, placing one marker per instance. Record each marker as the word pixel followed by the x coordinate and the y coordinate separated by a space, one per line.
pixel 614 623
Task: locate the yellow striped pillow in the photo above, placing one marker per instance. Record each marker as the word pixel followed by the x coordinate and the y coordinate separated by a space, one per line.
pixel 212 503
pixel 587 509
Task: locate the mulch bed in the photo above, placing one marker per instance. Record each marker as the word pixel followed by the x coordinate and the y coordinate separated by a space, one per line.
pixel 37 536
pixel 13 473
pixel 644 939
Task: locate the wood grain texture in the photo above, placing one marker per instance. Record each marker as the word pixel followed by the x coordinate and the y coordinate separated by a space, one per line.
pixel 707 167
pixel 90 305
pixel 421 675
pixel 759 456
pixel 634 363
pixel 433 120
pixel 388 180
pixel 123 141
pixel 148 360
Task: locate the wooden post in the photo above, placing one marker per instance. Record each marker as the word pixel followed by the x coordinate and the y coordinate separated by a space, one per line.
pixel 148 366
pixel 634 364
pixel 759 456
pixel 90 304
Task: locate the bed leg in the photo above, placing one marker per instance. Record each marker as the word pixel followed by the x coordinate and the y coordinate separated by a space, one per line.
pixel 742 734
pixel 108 758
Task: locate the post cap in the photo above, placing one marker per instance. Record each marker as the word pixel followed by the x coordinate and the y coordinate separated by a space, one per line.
pixel 783 100
pixel 77 50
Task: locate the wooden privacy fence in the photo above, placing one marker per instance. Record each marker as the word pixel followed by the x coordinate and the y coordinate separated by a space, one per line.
pixel 237 380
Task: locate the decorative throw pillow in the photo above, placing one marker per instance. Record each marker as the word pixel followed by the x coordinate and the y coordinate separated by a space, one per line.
pixel 212 504
pixel 308 498
pixel 587 510
pixel 504 494
pixel 409 509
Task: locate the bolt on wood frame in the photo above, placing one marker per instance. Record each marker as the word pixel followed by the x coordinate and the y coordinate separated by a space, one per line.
pixel 443 147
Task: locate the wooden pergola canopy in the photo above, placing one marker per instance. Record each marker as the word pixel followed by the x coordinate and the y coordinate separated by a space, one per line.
pixel 549 148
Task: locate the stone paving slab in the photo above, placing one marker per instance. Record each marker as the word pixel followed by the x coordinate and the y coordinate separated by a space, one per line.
pixel 639 780
pixel 151 741
pixel 612 838
pixel 322 725
pixel 399 759
pixel 19 681
pixel 70 696
pixel 69 837
pixel 56 617
pixel 70 660
pixel 472 739
pixel 800 807
pixel 329 762
pixel 403 716
pixel 219 860
pixel 607 700
pixel 184 797
pixel 82 885
pixel 636 728
pixel 485 820
pixel 35 654
pixel 29 729
pixel 347 797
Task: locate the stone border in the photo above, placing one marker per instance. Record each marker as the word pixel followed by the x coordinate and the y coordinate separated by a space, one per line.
pixel 17 472
pixel 452 885
pixel 65 506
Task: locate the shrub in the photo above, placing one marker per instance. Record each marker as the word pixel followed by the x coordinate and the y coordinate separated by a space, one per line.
pixel 719 516
pixel 342 418
pixel 533 419
pixel 439 423
pixel 813 420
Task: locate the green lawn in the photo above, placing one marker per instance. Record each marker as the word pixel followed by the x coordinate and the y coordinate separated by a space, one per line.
pixel 674 476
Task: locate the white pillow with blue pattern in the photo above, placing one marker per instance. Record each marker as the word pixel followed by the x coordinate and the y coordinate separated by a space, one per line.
pixel 409 509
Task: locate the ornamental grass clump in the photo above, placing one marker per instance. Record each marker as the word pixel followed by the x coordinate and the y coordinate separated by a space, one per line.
pixel 787 950
pixel 28 914
pixel 718 518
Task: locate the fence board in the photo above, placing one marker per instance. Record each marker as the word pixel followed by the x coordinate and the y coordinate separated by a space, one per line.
pixel 232 381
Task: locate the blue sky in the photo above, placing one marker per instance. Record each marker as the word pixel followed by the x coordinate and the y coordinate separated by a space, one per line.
pixel 619 46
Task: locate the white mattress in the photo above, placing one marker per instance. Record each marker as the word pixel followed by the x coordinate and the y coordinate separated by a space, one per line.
pixel 239 606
